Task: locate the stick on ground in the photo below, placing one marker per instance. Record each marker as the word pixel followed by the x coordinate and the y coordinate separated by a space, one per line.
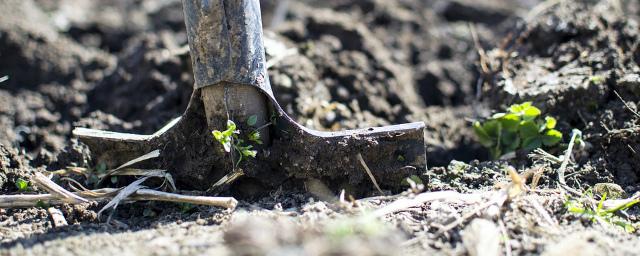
pixel 107 194
pixel 55 189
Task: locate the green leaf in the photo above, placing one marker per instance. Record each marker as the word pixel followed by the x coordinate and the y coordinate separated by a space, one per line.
pixel 551 137
pixel 528 129
pixel 530 113
pixel 218 135
pixel 596 79
pixel 510 141
pixel 510 122
pixel 519 108
pixel 224 138
pixel 498 115
pixel 413 178
pixel 148 212
pixel 231 129
pixel 249 153
pixel 186 207
pixel 493 128
pixel 114 179
pixel 255 137
pixel 578 135
pixel 532 143
pixel 42 204
pixel 231 125
pixel 252 120
pixel 574 207
pixel 22 185
pixel 550 122
pixel 101 167
pixel 226 144
pixel 482 135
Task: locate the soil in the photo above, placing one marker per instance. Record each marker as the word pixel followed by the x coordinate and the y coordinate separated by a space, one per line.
pixel 335 65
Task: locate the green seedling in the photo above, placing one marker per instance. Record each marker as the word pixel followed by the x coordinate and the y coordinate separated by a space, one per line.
pixel 598 213
pixel 186 207
pixel 22 185
pixel 148 212
pixel 521 127
pixel 596 79
pixel 230 139
pixel 42 204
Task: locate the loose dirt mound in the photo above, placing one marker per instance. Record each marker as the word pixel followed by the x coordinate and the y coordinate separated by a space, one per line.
pixel 579 62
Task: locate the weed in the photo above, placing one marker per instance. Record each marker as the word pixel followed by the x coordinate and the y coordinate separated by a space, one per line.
pixel 230 139
pixel 596 79
pixel 186 207
pixel 599 213
pixel 148 212
pixel 342 229
pixel 520 128
pixel 22 185
pixel 42 204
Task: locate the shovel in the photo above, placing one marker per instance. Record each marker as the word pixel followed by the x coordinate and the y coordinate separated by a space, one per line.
pixel 231 83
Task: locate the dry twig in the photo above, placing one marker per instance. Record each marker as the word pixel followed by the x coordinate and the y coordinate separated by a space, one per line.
pixel 106 194
pixel 366 168
pixel 53 188
pixel 626 104
pixel 57 218
pixel 403 204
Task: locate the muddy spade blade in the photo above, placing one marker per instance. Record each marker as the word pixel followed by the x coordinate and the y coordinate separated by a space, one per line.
pixel 231 83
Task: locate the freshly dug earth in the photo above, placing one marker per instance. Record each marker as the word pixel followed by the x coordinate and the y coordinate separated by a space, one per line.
pixel 335 65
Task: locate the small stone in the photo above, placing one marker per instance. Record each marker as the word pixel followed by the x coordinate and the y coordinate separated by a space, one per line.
pixel 613 191
pixel 577 244
pixel 482 238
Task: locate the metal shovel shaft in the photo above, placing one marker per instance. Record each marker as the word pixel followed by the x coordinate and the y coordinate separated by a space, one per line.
pixel 225 39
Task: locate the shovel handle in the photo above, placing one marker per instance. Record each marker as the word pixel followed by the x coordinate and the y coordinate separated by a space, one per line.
pixel 225 40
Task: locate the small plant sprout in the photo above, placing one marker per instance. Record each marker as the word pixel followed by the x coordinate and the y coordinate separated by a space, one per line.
pixel 255 137
pixel 22 185
pixel 598 213
pixel 521 127
pixel 230 139
pixel 596 79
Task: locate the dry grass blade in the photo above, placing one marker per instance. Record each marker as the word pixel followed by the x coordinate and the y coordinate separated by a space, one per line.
pixel 147 156
pixel 543 213
pixel 498 199
pixel 148 173
pixel 402 204
pixel 53 188
pixel 226 180
pixel 366 168
pixel 566 157
pixel 616 204
pixel 124 193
